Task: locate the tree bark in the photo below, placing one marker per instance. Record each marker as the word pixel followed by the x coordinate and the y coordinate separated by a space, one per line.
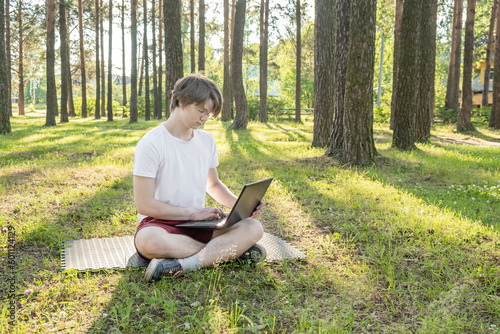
pixel 146 63
pixel 51 97
pixel 156 105
pixel 82 60
pixel 226 88
pixel 464 117
pixel 71 102
pixel 5 126
pixel 173 46
pixel 233 14
pixel 201 42
pixel 359 148
pixel 397 32
pixel 485 101
pixel 63 50
pixel 408 77
pixel 110 62
pixel 103 73
pixel 8 57
pixel 141 68
pixel 452 87
pixel 324 67
pixel 124 74
pixel 426 67
pixel 133 71
pixel 264 24
pixel 191 24
pixel 97 113
pixel 494 121
pixel 298 64
pixel 336 145
pixel 20 102
pixel 241 117
pixel 160 67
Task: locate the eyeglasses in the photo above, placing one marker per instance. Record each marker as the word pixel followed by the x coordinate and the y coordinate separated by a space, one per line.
pixel 202 112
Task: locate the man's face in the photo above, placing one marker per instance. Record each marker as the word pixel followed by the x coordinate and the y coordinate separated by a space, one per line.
pixel 197 114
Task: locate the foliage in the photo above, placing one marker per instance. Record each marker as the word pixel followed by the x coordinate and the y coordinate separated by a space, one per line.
pixel 397 247
pixel 382 114
pixel 275 106
pixel 447 116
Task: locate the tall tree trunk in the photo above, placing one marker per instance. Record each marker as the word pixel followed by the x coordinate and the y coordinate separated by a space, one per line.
pixel 5 100
pixel 464 117
pixel 426 68
pixel 133 71
pixel 160 52
pixel 264 24
pixel 63 49
pixel 226 88
pixel 452 87
pixel 298 65
pixel 20 102
pixel 71 102
pixel 141 68
pixel 51 97
pixel 233 14
pixel 103 74
pixel 324 69
pixel 241 118
pixel 110 62
pixel 397 32
pixel 124 74
pixel 147 112
pixel 156 106
pixel 408 77
pixel 359 148
pixel 336 146
pixel 97 113
pixel 8 56
pixel 201 42
pixel 191 22
pixel 494 121
pixel 173 45
pixel 458 56
pixel 485 101
pixel 82 60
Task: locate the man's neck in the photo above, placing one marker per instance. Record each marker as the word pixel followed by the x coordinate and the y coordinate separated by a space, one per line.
pixel 176 129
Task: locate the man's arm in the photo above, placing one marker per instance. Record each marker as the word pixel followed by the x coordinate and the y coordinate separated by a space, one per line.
pixel 144 189
pixel 221 193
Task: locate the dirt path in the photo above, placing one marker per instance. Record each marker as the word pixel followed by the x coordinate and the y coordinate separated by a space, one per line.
pixel 468 141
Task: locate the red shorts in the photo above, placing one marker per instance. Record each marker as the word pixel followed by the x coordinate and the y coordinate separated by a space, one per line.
pixel 169 225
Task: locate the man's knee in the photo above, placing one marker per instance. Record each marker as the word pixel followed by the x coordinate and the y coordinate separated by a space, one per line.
pixel 254 228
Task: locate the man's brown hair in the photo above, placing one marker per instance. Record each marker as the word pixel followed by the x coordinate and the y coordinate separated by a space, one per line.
pixel 196 88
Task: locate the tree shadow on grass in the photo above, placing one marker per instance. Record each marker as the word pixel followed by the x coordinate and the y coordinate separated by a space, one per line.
pixel 227 297
pixel 405 265
pixel 397 248
pixel 109 212
pixel 434 177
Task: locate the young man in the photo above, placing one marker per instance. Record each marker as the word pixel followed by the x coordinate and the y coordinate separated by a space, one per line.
pixel 175 165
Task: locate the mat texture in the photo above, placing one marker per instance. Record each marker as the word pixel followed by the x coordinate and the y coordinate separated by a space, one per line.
pixel 119 252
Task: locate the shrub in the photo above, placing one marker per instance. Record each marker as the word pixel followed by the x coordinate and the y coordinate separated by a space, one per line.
pixel 275 106
pixel 448 116
pixel 382 114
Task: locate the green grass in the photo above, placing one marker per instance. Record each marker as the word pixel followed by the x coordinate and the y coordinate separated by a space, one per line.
pixel 410 244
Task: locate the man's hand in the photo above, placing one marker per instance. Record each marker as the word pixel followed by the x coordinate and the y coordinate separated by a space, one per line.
pixel 258 210
pixel 208 213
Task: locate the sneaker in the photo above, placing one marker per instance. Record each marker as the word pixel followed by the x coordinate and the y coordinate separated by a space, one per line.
pixel 162 267
pixel 255 254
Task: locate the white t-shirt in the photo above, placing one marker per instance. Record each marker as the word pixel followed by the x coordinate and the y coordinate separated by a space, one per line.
pixel 180 168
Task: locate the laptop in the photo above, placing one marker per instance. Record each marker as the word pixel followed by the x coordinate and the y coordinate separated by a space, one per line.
pixel 249 199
